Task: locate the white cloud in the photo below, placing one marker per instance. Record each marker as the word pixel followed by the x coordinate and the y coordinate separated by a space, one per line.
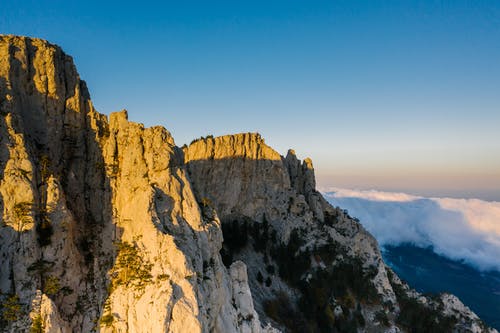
pixel 372 195
pixel 460 229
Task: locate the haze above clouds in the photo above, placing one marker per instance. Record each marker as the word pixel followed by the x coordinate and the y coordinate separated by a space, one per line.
pixel 460 229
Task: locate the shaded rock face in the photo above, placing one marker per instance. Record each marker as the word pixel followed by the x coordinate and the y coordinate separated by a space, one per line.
pixel 250 184
pixel 311 267
pixel 107 226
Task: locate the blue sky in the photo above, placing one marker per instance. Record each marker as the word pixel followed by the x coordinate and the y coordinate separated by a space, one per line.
pixel 392 95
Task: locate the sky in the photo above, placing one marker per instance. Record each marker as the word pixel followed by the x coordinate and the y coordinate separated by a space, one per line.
pixel 460 229
pixel 387 95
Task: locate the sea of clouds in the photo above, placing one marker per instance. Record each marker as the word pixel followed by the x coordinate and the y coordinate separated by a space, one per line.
pixel 460 229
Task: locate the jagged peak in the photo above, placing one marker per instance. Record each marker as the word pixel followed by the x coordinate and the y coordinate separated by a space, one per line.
pixel 308 163
pixel 118 119
pixel 246 135
pixel 15 39
pixel 41 90
pixel 38 69
pixel 242 145
pixel 28 49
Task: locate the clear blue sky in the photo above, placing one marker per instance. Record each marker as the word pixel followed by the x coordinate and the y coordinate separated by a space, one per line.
pixel 393 95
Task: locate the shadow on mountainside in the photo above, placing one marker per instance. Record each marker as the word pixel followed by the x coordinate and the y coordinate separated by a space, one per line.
pixel 271 227
pixel 71 216
pixel 296 281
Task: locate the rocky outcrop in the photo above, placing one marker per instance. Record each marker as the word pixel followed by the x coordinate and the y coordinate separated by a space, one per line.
pixel 108 226
pixel 273 200
pixel 260 186
pixel 46 186
pixel 100 228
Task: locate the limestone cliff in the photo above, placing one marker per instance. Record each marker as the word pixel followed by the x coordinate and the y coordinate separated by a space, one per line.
pixel 108 226
pixel 100 227
pixel 311 266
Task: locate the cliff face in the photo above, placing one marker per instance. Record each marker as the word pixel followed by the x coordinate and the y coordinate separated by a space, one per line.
pixel 250 184
pixel 108 226
pixel 311 266
pixel 100 228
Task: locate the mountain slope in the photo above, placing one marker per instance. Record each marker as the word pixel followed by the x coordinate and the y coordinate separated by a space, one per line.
pixel 428 272
pixel 109 226
pixel 315 259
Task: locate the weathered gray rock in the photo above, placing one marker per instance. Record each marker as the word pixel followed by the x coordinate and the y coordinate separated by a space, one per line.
pixel 100 228
pixel 252 186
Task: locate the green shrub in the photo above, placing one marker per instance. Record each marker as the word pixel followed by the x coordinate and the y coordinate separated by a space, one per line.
pixel 51 285
pixel 130 268
pixel 292 263
pixel 107 320
pixel 37 325
pixel 201 138
pixel 328 252
pixel 206 202
pixel 330 219
pixel 40 267
pixel 11 308
pixel 281 310
pixel 22 213
pixel 417 317
pixel 44 163
pixel 163 277
pixel 347 282
pixel 260 235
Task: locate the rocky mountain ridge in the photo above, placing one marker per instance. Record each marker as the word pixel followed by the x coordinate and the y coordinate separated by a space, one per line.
pixel 109 226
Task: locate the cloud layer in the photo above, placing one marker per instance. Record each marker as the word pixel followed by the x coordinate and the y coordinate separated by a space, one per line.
pixel 460 229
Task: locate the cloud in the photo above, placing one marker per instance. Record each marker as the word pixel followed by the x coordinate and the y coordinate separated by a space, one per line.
pixel 372 195
pixel 460 229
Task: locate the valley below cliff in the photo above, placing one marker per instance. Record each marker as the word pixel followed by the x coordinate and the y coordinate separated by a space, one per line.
pixel 108 226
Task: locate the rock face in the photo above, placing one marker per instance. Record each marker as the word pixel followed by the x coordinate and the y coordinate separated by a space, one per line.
pixel 108 226
pixel 302 254
pixel 100 227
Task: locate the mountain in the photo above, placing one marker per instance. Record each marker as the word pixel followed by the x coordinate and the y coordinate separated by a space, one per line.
pixel 427 271
pixel 436 244
pixel 108 226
